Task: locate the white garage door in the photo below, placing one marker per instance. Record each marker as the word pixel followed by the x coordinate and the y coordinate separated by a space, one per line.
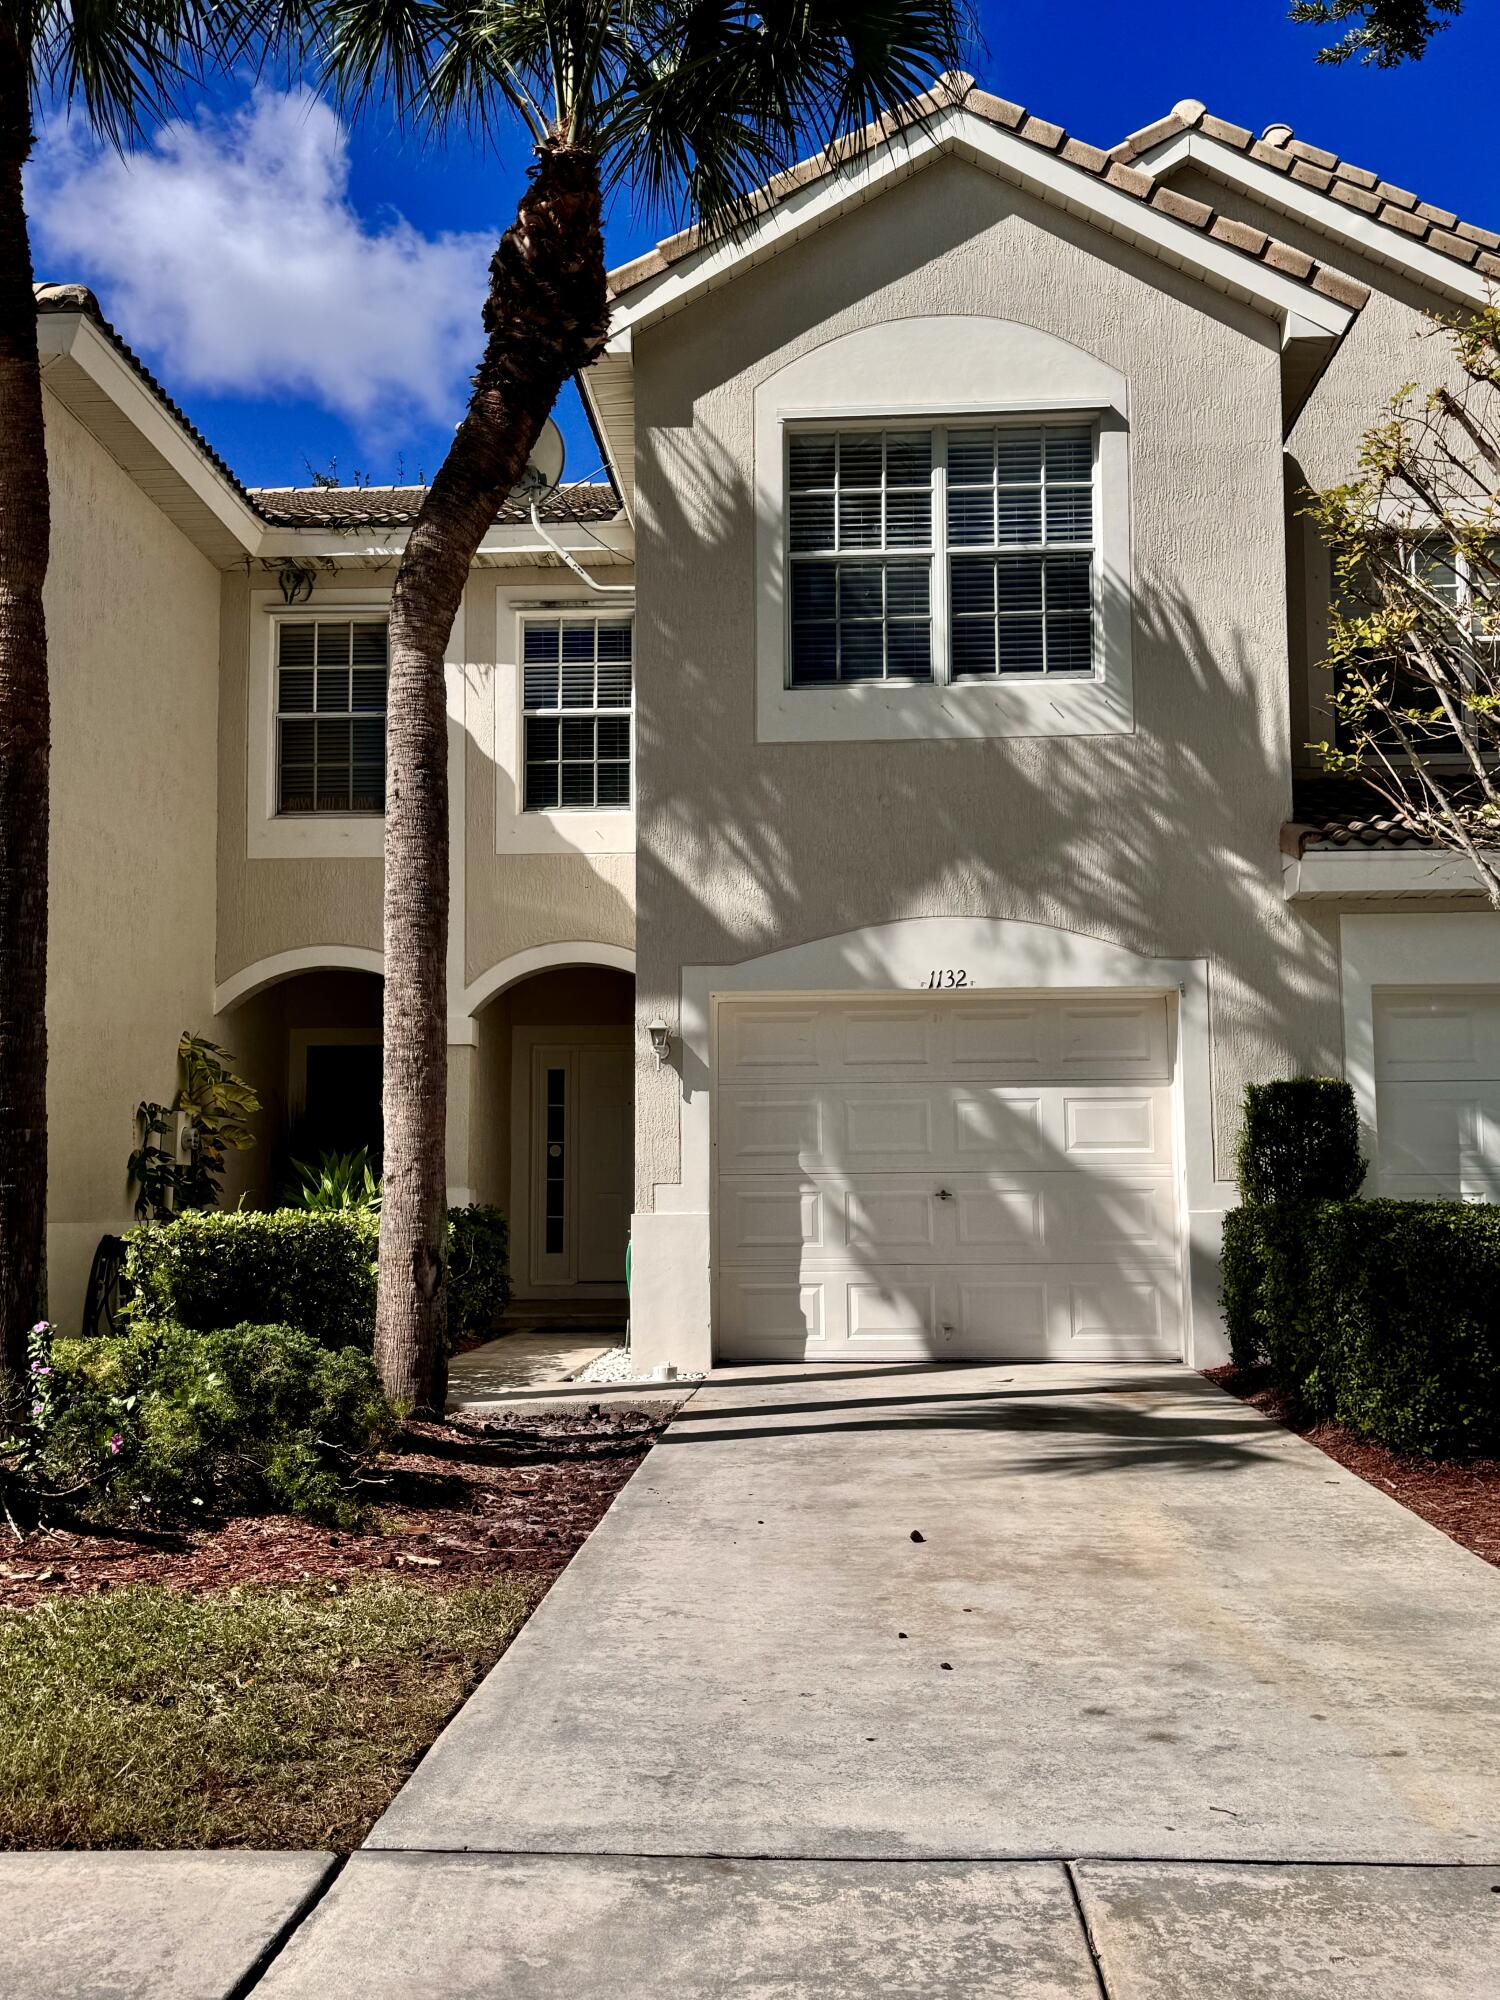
pixel 1437 1082
pixel 955 1178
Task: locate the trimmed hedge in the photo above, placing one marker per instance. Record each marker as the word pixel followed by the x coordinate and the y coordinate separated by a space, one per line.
pixel 1382 1315
pixel 307 1268
pixel 298 1267
pixel 1300 1141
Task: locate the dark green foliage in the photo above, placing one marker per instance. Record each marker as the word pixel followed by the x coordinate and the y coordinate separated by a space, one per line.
pixel 478 1268
pixel 210 1268
pixel 1300 1141
pixel 181 1424
pixel 308 1268
pixel 1382 1315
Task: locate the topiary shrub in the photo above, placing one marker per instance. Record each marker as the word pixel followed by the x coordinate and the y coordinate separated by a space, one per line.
pixel 478 1268
pixel 294 1267
pixel 180 1424
pixel 1300 1141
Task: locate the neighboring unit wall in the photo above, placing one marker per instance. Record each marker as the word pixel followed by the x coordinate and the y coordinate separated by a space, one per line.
pixel 1162 842
pixel 133 633
pixel 1392 342
pixel 502 902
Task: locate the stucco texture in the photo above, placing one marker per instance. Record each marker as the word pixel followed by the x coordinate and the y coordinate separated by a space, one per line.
pixel 509 903
pixel 1393 342
pixel 133 632
pixel 1164 840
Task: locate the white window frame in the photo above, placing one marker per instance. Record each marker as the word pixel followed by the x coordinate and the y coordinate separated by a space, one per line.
pixel 564 829
pixel 269 834
pixel 594 713
pixel 348 714
pixel 922 372
pixel 939 551
pixel 1455 760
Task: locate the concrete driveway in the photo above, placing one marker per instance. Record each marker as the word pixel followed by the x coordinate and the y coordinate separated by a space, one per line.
pixel 1063 1657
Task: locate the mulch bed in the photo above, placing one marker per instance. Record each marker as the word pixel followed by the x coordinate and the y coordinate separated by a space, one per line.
pixel 1460 1497
pixel 461 1501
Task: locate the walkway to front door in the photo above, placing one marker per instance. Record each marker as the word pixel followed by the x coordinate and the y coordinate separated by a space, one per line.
pixel 955 1660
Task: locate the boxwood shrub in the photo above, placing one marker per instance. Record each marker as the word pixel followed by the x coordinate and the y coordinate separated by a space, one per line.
pixel 298 1267
pixel 307 1268
pixel 1383 1315
pixel 1300 1141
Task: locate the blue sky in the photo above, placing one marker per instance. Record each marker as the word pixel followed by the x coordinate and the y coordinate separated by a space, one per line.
pixel 310 296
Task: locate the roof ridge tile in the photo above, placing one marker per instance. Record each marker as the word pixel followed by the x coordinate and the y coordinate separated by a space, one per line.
pixel 958 91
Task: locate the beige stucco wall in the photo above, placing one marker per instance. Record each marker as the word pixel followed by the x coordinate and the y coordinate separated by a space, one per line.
pixel 1164 841
pixel 133 629
pixel 1391 343
pixel 517 902
pixel 511 902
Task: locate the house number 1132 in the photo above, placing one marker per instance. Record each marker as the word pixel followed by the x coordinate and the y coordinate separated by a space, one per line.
pixel 947 976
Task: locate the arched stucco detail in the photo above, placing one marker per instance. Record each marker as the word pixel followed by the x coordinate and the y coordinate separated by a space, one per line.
pixel 264 972
pixel 542 958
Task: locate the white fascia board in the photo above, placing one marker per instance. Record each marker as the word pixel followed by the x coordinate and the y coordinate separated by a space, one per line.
pixel 1375 240
pixel 604 542
pixel 1016 160
pixel 1325 873
pixel 74 337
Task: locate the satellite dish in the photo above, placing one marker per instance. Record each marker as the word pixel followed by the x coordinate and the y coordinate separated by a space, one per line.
pixel 545 465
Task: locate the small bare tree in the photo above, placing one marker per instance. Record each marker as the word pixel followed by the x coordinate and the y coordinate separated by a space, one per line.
pixel 1414 627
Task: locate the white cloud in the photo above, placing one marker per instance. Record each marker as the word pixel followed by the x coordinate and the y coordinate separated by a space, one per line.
pixel 229 251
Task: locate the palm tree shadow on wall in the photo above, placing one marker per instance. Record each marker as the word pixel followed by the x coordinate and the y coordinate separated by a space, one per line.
pixel 1164 841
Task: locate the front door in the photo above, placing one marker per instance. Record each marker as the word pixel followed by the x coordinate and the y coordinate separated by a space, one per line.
pixel 582 1130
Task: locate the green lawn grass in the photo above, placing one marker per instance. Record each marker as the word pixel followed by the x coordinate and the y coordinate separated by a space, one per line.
pixel 256 1717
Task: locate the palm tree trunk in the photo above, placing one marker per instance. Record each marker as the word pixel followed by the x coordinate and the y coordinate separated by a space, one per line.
pixel 546 316
pixel 24 731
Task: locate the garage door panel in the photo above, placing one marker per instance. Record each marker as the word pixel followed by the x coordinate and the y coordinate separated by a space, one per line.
pixel 890 1221
pixel 1437 1083
pixel 988 1219
pixel 772 1317
pixel 1103 1125
pixel 1093 1312
pixel 868 1127
pixel 1114 1038
pixel 999 1128
pixel 942 1177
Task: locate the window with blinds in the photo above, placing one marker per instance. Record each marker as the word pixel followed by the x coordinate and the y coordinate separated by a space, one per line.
pixel 577 687
pixel 952 553
pixel 330 715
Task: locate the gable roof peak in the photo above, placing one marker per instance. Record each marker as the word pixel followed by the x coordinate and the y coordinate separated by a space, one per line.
pixel 1363 195
pixel 955 94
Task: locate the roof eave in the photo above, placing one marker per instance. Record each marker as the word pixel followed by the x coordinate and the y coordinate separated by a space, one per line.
pixel 1283 195
pixel 89 375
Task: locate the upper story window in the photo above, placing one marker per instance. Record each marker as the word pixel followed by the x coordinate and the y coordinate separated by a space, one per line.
pixel 1467 638
pixel 950 553
pixel 577 681
pixel 330 715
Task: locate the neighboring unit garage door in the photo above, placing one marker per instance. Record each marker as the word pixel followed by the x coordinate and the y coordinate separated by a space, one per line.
pixel 962 1177
pixel 1437 1085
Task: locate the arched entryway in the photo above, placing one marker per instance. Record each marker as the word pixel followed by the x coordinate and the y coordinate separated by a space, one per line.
pixel 551 1140
pixel 309 1042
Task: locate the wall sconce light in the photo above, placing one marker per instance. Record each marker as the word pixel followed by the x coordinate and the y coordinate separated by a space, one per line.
pixel 661 1039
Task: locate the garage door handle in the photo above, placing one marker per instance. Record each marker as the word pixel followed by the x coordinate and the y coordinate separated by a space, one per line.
pixel 943 1194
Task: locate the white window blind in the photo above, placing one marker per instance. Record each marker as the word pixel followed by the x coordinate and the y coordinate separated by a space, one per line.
pixel 953 553
pixel 330 715
pixel 577 686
